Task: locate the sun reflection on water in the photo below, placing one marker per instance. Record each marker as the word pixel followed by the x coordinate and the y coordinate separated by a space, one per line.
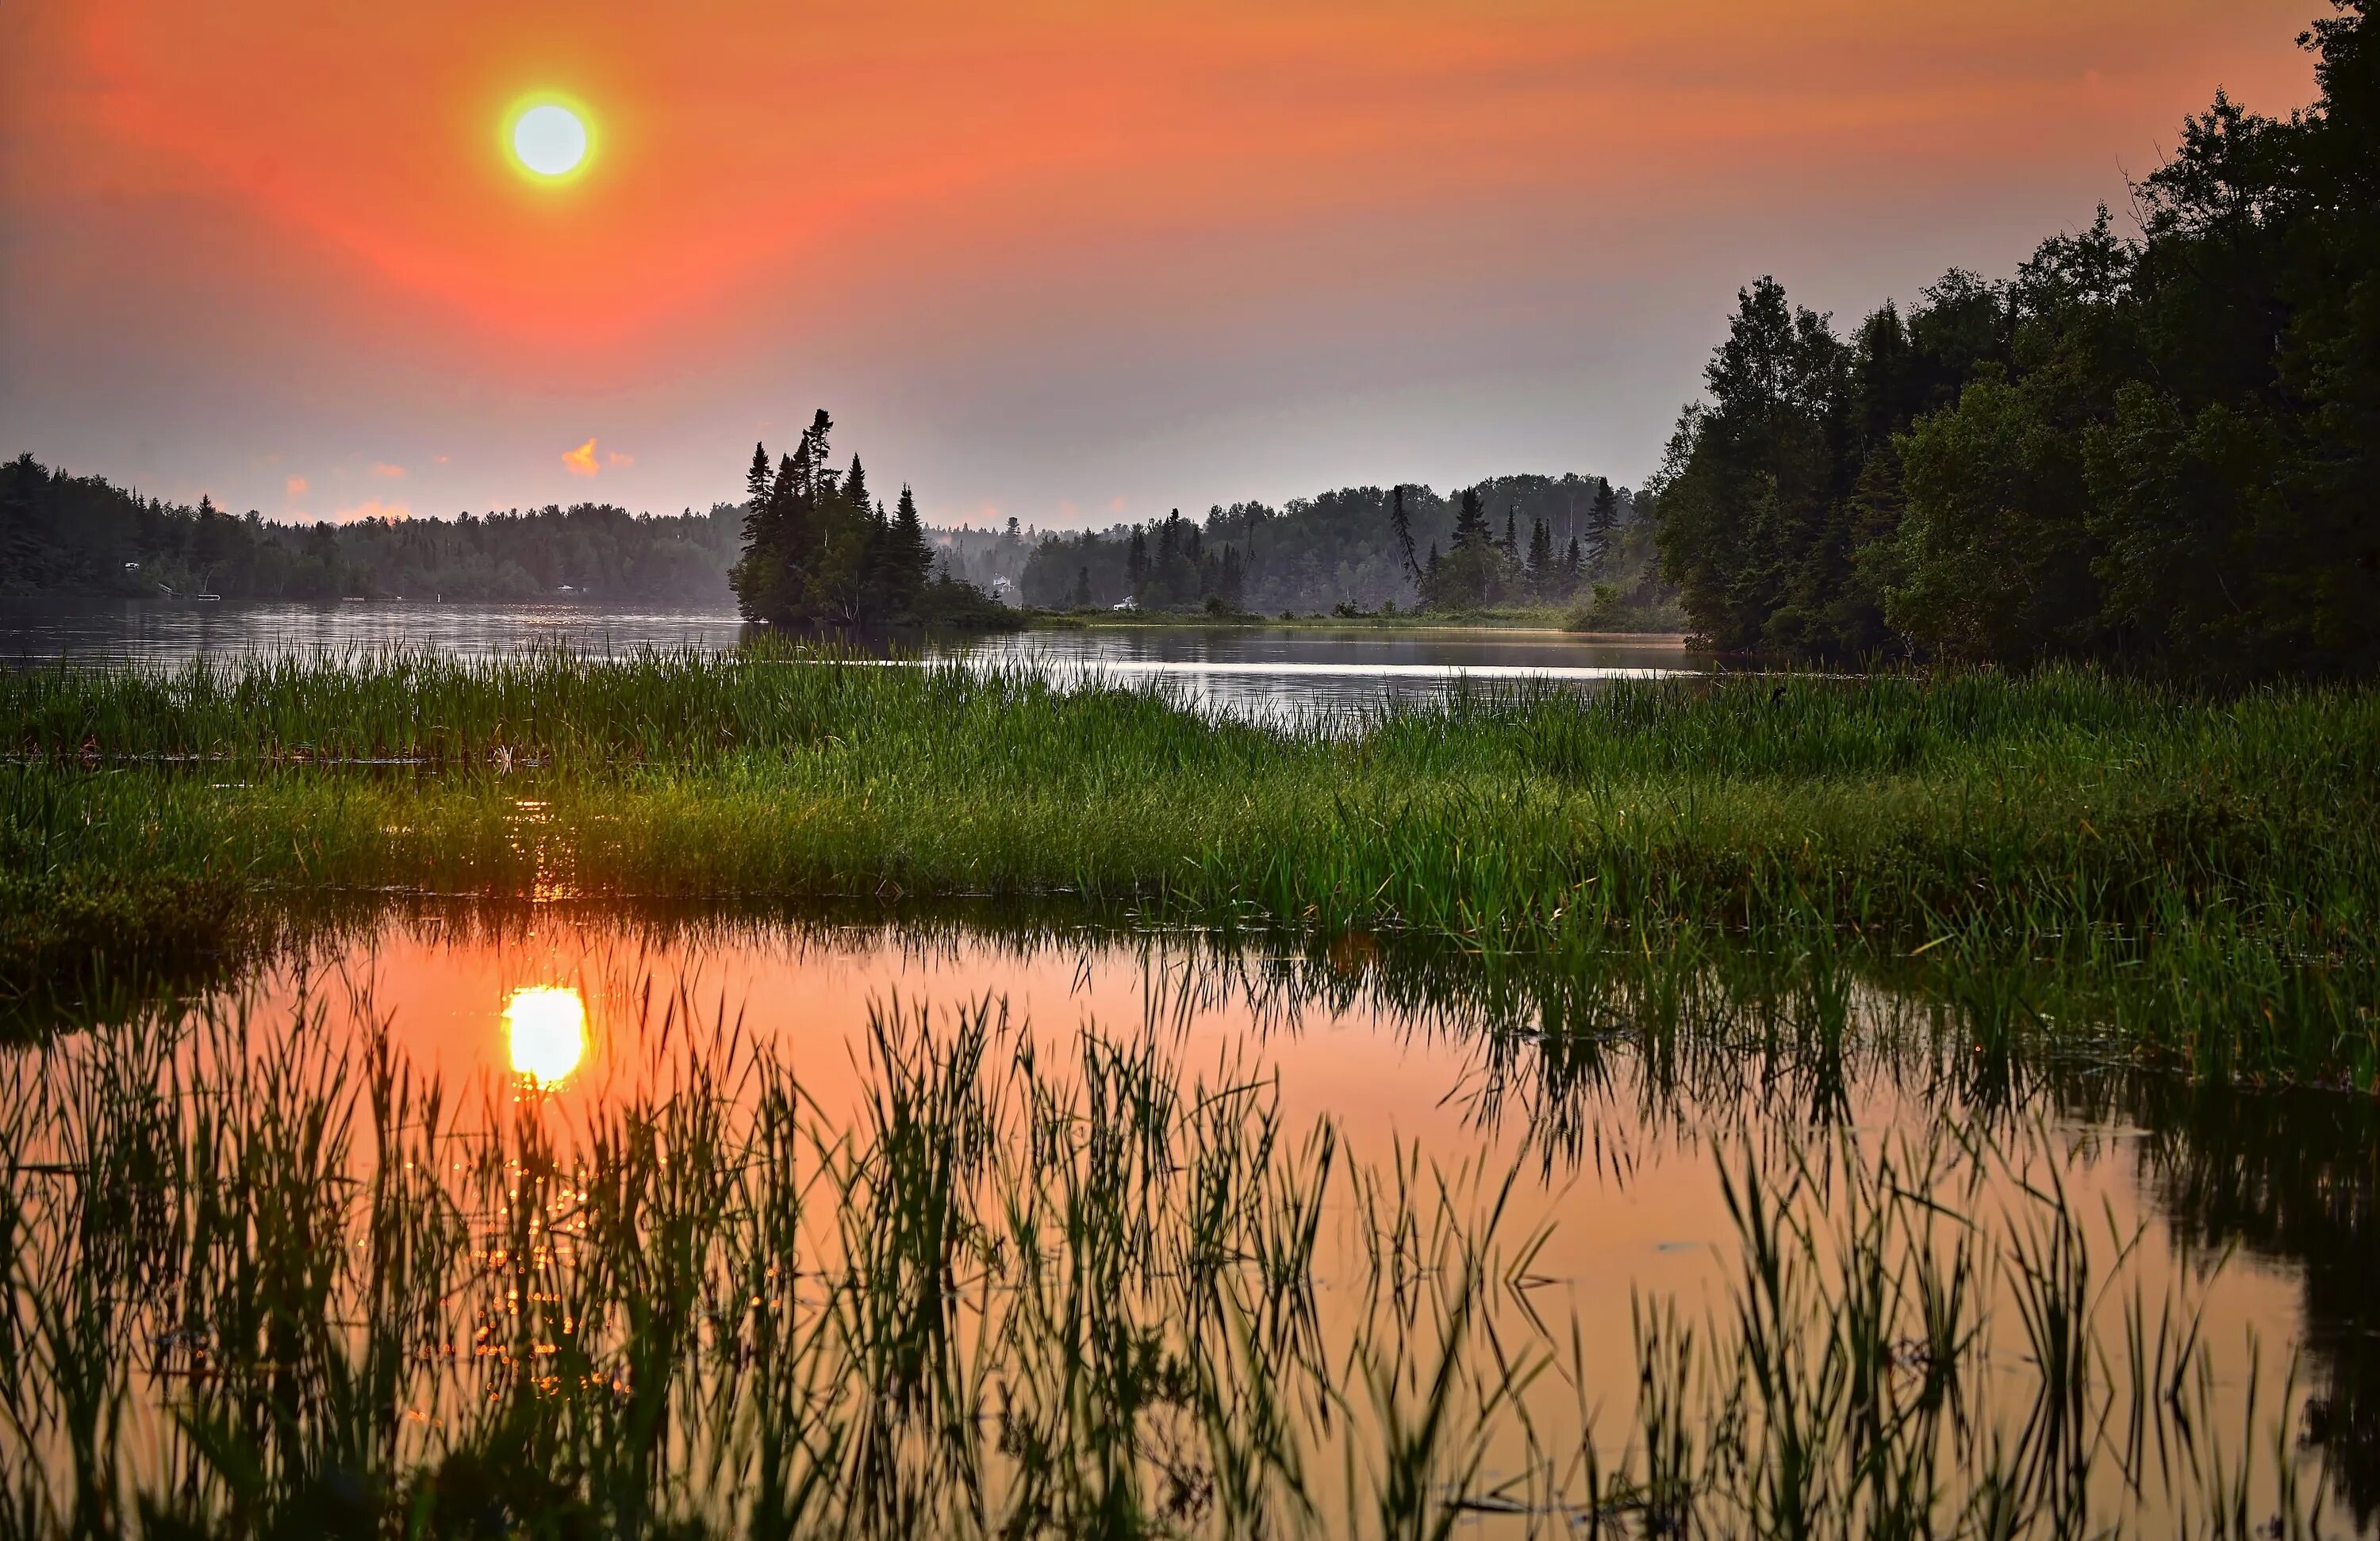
pixel 545 1027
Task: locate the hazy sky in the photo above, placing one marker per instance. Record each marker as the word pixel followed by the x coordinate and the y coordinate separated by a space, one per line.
pixel 1069 262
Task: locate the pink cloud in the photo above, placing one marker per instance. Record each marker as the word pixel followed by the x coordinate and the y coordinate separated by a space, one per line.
pixel 297 486
pixel 613 458
pixel 1116 504
pixel 382 467
pixel 580 461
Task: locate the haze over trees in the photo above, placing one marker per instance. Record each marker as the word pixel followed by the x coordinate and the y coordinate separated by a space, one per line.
pixel 2161 449
pixel 1358 547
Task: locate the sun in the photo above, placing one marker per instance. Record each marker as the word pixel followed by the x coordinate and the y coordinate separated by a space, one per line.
pixel 546 1029
pixel 549 137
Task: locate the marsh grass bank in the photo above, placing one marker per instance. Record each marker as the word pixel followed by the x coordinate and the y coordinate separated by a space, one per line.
pixel 2070 854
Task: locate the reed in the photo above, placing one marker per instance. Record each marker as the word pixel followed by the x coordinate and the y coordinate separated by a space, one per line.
pixel 264 1278
pixel 2094 858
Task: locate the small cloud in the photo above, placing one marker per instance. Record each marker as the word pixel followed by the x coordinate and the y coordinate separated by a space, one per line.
pixel 1068 510
pixel 1116 504
pixel 297 486
pixel 372 508
pixel 613 458
pixel 438 460
pixel 580 461
pixel 394 473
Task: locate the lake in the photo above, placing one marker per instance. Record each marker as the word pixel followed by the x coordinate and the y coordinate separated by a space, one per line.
pixel 1259 672
pixel 886 1219
pixel 1551 1177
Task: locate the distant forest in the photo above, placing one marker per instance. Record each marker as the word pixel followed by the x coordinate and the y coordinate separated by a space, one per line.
pixel 1541 539
pixel 82 535
pixel 61 533
pixel 2161 451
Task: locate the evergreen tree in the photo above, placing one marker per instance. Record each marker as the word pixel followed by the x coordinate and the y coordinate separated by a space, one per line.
pixel 1470 524
pixel 824 552
pixel 1542 577
pixel 912 559
pixel 1403 529
pixel 1602 527
pixel 756 481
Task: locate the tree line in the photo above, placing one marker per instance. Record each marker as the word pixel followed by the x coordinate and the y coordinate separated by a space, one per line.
pixel 62 533
pixel 2155 449
pixel 1361 548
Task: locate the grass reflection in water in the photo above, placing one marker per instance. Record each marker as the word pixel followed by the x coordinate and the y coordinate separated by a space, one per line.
pixel 265 1277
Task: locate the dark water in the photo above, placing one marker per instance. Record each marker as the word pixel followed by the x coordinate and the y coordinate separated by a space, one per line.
pixel 1266 673
pixel 1619 1106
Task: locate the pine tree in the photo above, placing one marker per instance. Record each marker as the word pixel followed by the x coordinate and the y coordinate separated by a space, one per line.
pixel 1541 558
pixel 1602 527
pixel 1470 523
pixel 1398 523
pixel 817 484
pixel 756 481
pixel 912 559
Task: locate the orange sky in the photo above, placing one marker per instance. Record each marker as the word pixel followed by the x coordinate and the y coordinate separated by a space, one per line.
pixel 1058 260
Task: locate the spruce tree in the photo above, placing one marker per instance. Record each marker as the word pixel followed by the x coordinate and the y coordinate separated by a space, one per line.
pixel 912 559
pixel 756 481
pixel 1398 523
pixel 1541 558
pixel 1602 527
pixel 1470 523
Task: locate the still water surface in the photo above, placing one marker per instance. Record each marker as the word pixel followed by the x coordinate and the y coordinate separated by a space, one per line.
pixel 1264 672
pixel 2249 1216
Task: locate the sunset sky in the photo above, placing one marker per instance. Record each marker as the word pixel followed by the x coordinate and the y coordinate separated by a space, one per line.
pixel 1070 262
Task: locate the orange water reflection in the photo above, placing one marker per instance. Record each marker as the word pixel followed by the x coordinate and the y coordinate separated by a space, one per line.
pixel 545 1032
pixel 1619 1162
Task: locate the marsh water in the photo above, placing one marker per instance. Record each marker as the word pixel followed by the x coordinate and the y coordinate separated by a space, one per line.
pixel 979 1219
pixel 1259 672
pixel 1553 1172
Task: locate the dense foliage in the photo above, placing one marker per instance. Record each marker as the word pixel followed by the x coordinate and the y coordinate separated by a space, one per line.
pixel 819 551
pixel 83 535
pixel 1360 547
pixel 2163 450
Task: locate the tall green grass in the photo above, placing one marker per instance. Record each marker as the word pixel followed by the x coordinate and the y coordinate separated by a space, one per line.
pixel 2090 857
pixel 262 1279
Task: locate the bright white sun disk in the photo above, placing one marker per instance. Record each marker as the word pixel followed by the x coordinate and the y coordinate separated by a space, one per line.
pixel 550 140
pixel 546 1029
